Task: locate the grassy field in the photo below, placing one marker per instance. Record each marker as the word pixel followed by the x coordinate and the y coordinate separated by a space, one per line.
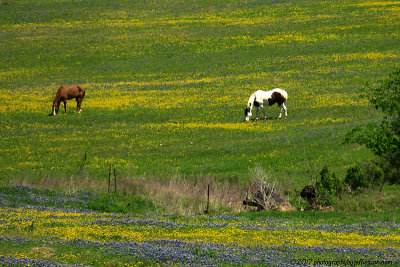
pixel 167 83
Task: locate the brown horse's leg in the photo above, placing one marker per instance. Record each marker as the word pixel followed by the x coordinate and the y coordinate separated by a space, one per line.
pixel 65 105
pixel 78 104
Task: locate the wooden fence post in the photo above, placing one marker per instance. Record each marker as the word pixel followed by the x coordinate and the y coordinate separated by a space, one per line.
pixel 109 179
pixel 115 182
pixel 208 200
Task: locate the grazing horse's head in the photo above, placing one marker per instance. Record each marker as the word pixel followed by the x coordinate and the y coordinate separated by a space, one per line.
pixel 247 110
pixel 247 113
pixel 55 107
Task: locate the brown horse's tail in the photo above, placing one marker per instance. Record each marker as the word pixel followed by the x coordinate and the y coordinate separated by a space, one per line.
pixel 81 90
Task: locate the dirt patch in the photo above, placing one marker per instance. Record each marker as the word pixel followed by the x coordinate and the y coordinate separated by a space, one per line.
pixel 45 252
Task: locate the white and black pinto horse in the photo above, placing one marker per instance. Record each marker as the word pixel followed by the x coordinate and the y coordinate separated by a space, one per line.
pixel 260 98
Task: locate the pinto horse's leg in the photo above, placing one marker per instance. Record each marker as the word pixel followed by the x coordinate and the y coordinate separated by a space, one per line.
pixel 280 113
pixel 263 111
pixel 256 112
pixel 284 107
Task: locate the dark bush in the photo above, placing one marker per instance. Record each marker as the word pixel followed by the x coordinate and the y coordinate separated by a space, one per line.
pixel 382 137
pixel 374 174
pixel 355 178
pixel 364 176
pixel 328 188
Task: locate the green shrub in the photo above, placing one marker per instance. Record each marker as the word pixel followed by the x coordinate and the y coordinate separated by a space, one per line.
pixel 328 188
pixel 355 178
pixel 374 173
pixel 383 138
pixel 360 177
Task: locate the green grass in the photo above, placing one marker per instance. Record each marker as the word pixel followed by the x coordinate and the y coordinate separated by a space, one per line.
pixel 333 217
pixel 167 83
pixel 22 196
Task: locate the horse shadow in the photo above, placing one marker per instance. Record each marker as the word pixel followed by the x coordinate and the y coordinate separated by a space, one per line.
pixel 263 119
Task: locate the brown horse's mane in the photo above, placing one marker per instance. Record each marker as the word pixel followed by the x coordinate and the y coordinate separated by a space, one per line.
pixel 57 99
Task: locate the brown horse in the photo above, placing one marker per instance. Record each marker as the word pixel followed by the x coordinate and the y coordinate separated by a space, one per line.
pixel 65 93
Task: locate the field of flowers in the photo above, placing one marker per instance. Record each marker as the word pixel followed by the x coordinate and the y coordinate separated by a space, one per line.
pixel 41 234
pixel 167 83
